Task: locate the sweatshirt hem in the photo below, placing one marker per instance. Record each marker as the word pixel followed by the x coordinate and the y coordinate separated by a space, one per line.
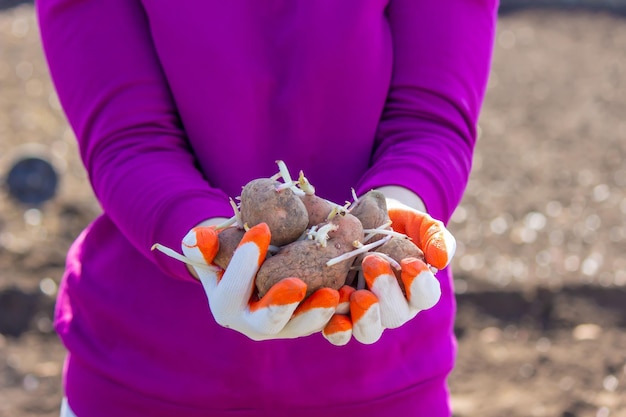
pixel 91 395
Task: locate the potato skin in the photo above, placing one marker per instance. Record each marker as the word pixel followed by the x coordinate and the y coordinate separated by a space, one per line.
pixel 305 259
pixel 349 229
pixel 371 210
pixel 283 211
pixel 229 239
pixel 317 208
pixel 399 248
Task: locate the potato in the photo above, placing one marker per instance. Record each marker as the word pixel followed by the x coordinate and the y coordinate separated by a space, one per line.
pixel 317 208
pixel 349 229
pixel 306 259
pixel 334 232
pixel 399 248
pixel 229 239
pixel 283 211
pixel 371 210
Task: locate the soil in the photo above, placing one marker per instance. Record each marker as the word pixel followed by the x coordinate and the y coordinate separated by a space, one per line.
pixel 540 268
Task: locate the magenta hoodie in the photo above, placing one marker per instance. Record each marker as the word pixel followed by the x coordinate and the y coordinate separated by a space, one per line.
pixel 176 105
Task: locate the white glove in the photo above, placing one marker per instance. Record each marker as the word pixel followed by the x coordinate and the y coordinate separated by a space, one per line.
pixel 280 314
pixel 366 313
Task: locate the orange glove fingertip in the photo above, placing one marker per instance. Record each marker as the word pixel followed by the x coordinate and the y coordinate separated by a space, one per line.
pixel 322 298
pixel 338 323
pixel 360 303
pixel 412 268
pixel 373 267
pixel 286 291
pixel 203 238
pixel 260 235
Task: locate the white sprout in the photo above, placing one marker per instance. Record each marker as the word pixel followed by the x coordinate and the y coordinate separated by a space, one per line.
pixel 284 172
pixel 337 210
pixel 236 219
pixel 321 235
pixel 382 230
pixel 354 196
pixel 305 185
pixel 227 223
pixel 291 186
pixel 333 213
pixel 360 249
pixel 389 259
pixel 184 259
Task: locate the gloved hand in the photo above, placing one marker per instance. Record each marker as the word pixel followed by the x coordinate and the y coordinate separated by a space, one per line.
pixel 430 235
pixel 280 314
pixel 366 313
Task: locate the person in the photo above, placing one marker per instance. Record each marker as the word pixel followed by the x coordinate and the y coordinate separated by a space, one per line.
pixel 175 106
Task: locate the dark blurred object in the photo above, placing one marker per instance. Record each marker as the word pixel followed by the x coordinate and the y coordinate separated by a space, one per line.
pixel 32 180
pixel 7 4
pixel 612 6
pixel 17 309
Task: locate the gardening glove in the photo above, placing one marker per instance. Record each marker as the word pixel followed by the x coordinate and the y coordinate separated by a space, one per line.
pixel 366 313
pixel 280 314
pixel 430 235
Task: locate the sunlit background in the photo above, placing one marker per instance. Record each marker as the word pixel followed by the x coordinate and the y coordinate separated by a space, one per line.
pixel 541 262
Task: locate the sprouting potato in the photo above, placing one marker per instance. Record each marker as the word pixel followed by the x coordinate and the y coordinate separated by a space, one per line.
pixel 371 210
pixel 307 259
pixel 317 208
pixel 262 201
pixel 313 239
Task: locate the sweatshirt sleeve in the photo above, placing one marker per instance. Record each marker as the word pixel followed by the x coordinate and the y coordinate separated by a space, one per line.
pixel 441 60
pixel 114 93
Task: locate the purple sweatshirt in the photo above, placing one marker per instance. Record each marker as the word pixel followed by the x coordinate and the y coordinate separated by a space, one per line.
pixel 176 105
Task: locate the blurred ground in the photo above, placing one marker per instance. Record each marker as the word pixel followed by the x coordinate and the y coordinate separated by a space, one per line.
pixel 541 271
